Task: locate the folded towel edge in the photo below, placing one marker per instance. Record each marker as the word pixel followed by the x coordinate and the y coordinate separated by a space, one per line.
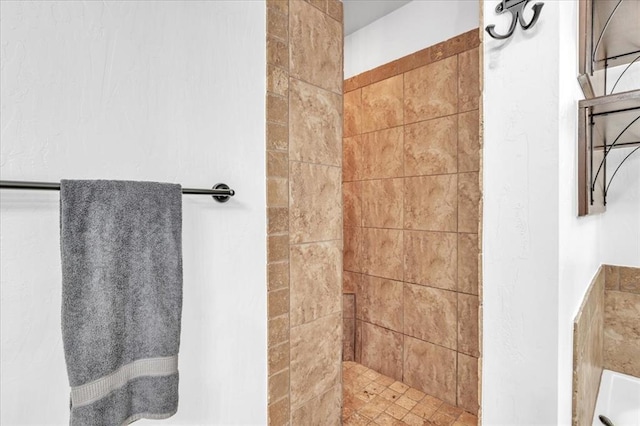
pixel 150 416
pixel 91 392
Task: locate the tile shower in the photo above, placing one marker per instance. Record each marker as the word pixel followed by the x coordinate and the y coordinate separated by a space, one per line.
pixel 304 211
pixel 411 196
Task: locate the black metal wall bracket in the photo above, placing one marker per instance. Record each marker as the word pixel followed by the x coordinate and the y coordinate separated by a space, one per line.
pixel 516 8
pixel 605 124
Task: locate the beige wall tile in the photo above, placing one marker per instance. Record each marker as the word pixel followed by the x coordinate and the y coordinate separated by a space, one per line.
pixel 277 53
pixel 352 199
pixel 588 355
pixel 589 370
pixel 379 301
pixel 430 258
pixel 348 339
pixel 277 24
pixel 468 263
pixel 382 104
pixel 350 281
pixel 468 383
pixel 278 302
pixel 320 4
pixel 278 357
pixel 382 154
pixel 622 332
pixel 316 42
pixel 277 248
pixel 315 196
pixel 278 385
pixel 281 6
pixel 430 203
pixel 278 330
pixel 277 192
pixel 349 306
pixel 306 109
pixel 352 158
pixel 334 9
pixel 430 147
pixel 277 164
pixel 315 362
pixel 469 80
pixel 612 277
pixel 431 91
pixel 352 113
pixel 353 251
pixel 468 202
pixel 430 314
pixel 468 142
pixel 426 156
pixel 382 252
pixel 277 109
pixel 430 368
pixel 381 350
pixel 315 132
pixel 316 281
pixel 277 80
pixel 278 275
pixel 277 136
pixel 358 348
pixel 278 220
pixel 468 324
pixel 593 303
pixel 630 279
pixel 382 203
pixel 325 410
pixel 279 412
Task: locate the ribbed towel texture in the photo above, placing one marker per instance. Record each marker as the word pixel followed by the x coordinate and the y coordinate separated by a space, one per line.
pixel 121 299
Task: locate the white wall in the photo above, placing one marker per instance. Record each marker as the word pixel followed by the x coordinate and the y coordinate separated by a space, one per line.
pixel 419 24
pixel 166 91
pixel 520 237
pixel 580 238
pixel 539 258
pixel 622 218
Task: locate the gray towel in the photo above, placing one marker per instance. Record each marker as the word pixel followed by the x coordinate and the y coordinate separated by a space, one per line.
pixel 121 299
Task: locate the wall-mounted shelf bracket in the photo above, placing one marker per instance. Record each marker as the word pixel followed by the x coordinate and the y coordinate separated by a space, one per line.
pixel 606 123
pixel 609 37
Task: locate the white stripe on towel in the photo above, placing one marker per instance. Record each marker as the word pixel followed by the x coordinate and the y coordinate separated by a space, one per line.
pixel 98 389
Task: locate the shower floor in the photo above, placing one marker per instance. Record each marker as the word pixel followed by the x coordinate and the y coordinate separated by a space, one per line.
pixel 371 398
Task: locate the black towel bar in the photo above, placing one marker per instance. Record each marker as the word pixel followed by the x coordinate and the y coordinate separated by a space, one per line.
pixel 220 191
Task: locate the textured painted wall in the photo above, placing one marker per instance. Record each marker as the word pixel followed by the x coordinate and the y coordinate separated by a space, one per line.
pixel 538 256
pixel 520 234
pixel 167 91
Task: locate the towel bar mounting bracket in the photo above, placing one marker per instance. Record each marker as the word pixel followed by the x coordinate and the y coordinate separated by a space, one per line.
pixel 222 198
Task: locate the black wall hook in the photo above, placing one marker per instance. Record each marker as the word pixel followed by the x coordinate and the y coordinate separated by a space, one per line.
pixel 516 7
